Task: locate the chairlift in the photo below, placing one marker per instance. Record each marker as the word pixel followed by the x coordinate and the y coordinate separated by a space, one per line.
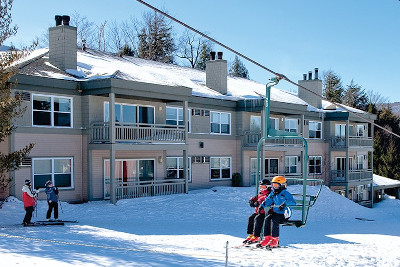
pixel 303 201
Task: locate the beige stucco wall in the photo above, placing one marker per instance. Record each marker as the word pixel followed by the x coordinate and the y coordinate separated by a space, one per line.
pixel 52 146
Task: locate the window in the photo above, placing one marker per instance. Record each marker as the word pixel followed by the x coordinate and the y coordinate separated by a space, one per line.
pixel 175 168
pixel 126 113
pixel 360 162
pixel 58 170
pixel 314 129
pixel 360 130
pixel 255 123
pixel 174 116
pixel 271 166
pixel 314 165
pixel 274 123
pixel 340 130
pixel 52 111
pixel 220 168
pixel 220 122
pixel 291 164
pixel 291 125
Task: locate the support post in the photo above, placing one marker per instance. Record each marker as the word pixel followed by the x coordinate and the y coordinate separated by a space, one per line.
pixel 111 128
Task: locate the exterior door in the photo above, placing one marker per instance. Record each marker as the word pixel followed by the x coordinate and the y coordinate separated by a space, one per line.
pixel 340 167
pixel 271 167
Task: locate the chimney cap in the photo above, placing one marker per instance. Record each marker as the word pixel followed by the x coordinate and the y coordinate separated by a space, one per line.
pixel 220 55
pixel 212 55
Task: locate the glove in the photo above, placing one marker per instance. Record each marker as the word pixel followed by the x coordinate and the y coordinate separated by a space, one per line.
pixel 56 191
pixel 260 209
pixel 251 203
pixel 37 187
pixel 282 206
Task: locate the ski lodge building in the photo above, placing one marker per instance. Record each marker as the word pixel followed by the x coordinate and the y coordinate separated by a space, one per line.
pixel 155 128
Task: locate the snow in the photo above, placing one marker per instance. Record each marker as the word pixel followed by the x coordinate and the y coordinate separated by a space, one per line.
pixel 193 230
pixel 380 180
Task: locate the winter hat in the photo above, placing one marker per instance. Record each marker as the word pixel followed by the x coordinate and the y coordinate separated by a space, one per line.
pixel 27 182
pixel 47 183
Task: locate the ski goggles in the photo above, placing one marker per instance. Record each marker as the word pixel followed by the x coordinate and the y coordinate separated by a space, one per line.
pixel 263 187
pixel 276 185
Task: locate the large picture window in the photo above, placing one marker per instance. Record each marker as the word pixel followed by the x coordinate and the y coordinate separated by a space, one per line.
pixel 220 122
pixel 51 111
pixel 220 168
pixel 126 113
pixel 175 168
pixel 314 165
pixel 315 128
pixel 58 170
pixel 174 116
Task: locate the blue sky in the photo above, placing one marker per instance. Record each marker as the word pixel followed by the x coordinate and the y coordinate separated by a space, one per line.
pixel 358 39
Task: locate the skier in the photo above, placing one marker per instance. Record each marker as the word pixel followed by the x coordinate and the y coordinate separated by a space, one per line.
pixel 256 220
pixel 279 198
pixel 29 199
pixel 52 200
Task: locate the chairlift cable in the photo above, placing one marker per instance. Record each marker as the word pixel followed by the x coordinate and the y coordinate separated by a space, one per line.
pixel 278 75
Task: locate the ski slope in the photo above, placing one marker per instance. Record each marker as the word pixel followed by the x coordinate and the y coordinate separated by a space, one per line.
pixel 193 230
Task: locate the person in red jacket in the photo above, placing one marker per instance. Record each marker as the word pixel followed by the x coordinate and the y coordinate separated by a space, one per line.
pixel 256 220
pixel 29 199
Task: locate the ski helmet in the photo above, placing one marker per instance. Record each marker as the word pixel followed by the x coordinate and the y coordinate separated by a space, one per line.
pixel 27 182
pixel 279 182
pixel 265 182
pixel 47 183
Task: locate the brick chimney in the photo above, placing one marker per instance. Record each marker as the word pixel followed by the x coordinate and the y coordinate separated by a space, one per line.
pixel 314 85
pixel 216 73
pixel 62 44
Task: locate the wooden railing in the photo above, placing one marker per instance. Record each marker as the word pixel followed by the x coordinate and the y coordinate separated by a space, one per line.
pixel 128 190
pixel 137 132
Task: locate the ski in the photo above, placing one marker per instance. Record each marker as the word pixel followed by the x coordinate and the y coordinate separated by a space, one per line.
pixel 43 224
pixel 63 221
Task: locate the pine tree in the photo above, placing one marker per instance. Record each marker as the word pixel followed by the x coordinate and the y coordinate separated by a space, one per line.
pixel 204 56
pixel 238 69
pixel 333 88
pixel 355 96
pixel 10 106
pixel 155 39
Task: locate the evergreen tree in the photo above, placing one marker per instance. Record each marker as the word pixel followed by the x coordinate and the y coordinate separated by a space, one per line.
pixel 127 51
pixel 10 106
pixel 355 96
pixel 206 48
pixel 238 69
pixel 333 88
pixel 155 39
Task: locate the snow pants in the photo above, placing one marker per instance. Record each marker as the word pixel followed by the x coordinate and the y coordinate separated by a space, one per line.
pixel 28 214
pixel 271 224
pixel 255 223
pixel 53 204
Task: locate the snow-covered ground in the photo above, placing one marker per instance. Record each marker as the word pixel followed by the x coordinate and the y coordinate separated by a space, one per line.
pixel 193 230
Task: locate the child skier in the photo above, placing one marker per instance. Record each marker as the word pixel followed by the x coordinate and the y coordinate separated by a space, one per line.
pixel 256 220
pixel 279 198
pixel 29 199
pixel 52 200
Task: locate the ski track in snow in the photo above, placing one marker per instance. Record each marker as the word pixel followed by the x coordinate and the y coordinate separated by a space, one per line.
pixel 193 230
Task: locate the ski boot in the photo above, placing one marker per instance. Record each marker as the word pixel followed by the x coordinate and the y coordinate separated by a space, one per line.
pixel 265 242
pixel 249 237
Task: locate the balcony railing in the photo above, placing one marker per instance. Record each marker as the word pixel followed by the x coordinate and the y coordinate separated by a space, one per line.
pixel 137 133
pixel 128 190
pixel 338 176
pixel 252 138
pixel 354 141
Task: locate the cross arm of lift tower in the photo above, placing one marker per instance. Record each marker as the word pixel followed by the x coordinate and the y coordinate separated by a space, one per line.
pixel 278 76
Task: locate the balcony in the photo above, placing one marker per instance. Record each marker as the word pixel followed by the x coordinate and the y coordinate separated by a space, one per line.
pixel 137 133
pixel 354 141
pixel 339 177
pixel 252 138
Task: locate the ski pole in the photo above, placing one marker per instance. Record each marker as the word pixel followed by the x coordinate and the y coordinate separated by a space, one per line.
pixel 58 200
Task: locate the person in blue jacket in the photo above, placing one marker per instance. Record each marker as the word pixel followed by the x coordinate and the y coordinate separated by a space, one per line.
pixel 279 198
pixel 52 199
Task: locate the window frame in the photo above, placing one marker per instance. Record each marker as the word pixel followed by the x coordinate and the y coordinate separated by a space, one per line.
pixel 52 111
pixel 315 166
pixel 288 165
pixel 53 173
pixel 106 116
pixel 177 115
pixel 288 127
pixel 179 167
pixel 221 169
pixel 316 131
pixel 220 124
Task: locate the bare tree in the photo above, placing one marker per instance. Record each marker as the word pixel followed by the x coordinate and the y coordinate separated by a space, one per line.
pixel 85 30
pixel 101 37
pixel 377 99
pixel 115 37
pixel 130 30
pixel 190 47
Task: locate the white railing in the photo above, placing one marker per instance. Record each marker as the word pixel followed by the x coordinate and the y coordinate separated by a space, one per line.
pixel 128 190
pixel 354 141
pixel 138 132
pixel 252 138
pixel 339 176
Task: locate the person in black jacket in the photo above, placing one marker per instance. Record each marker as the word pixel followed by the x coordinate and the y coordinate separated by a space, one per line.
pixel 52 199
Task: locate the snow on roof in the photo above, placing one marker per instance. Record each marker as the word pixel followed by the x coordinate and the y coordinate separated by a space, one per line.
pixel 327 105
pixel 98 65
pixel 383 181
